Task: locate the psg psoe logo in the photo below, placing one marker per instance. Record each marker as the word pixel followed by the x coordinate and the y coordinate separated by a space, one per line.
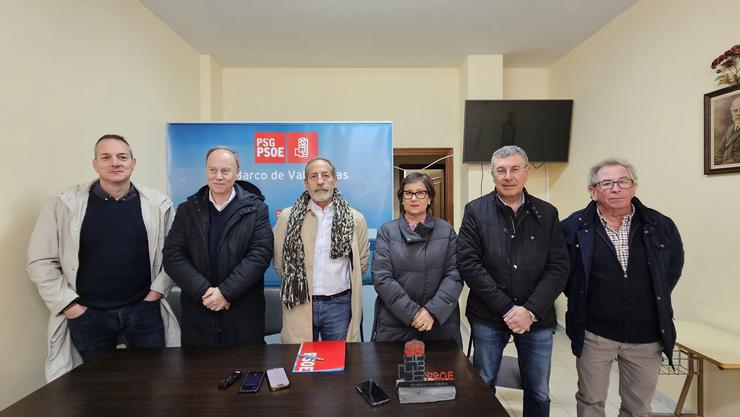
pixel 285 147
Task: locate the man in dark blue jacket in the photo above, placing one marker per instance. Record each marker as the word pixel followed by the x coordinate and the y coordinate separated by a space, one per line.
pixel 625 261
pixel 512 255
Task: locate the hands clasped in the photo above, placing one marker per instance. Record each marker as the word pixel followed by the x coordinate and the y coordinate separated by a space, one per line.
pixel 423 320
pixel 214 300
pixel 519 320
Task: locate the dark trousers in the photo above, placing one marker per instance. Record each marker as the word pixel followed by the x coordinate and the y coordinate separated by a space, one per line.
pixel 97 331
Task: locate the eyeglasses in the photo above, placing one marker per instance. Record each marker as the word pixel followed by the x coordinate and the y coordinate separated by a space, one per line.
pixel 607 185
pixel 420 195
pixel 515 170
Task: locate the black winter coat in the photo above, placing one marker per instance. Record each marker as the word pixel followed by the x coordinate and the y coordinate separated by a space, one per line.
pixel 244 253
pixel 414 269
pixel 506 264
pixel 665 258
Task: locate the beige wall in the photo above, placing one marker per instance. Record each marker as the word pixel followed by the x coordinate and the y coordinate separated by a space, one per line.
pixel 638 86
pixel 422 103
pixel 525 83
pixel 211 87
pixel 71 72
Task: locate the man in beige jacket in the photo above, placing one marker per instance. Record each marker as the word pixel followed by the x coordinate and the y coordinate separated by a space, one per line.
pixel 321 253
pixel 96 257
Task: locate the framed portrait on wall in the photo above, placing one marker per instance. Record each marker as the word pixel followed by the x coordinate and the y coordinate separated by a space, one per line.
pixel 722 131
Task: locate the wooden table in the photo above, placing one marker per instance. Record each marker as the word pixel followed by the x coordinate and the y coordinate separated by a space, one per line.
pixel 183 382
pixel 703 342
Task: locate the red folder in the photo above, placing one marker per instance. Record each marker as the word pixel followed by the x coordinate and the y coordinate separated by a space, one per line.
pixel 329 357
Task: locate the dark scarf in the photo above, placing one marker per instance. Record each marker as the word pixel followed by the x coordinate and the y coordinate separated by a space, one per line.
pixel 294 286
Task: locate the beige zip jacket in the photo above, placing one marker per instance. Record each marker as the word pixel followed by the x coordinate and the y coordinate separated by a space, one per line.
pixel 53 261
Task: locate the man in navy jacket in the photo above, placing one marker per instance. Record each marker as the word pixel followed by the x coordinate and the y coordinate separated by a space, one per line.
pixel 625 261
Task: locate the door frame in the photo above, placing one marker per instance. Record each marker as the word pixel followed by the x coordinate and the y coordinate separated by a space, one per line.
pixel 436 153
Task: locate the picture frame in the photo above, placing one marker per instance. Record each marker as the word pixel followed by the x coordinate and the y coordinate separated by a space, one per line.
pixel 722 131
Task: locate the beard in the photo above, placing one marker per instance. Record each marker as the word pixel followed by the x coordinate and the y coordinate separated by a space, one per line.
pixel 321 196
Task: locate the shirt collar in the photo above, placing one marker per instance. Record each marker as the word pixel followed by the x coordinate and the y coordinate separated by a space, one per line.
pixel 413 224
pixel 220 207
pixel 625 219
pixel 318 210
pixel 101 193
pixel 521 201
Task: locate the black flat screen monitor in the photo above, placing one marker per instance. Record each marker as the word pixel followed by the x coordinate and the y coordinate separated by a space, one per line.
pixel 540 127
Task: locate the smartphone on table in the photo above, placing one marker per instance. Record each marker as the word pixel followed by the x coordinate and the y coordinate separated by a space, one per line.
pixel 372 393
pixel 252 382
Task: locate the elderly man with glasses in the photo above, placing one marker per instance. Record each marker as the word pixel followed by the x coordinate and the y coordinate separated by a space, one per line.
pixel 625 261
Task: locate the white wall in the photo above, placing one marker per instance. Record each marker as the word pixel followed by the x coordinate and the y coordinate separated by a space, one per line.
pixel 71 72
pixel 638 85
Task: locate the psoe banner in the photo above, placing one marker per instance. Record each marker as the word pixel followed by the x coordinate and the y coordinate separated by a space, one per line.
pixel 273 156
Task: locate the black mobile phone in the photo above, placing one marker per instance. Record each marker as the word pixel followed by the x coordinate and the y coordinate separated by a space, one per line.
pixel 372 393
pixel 252 382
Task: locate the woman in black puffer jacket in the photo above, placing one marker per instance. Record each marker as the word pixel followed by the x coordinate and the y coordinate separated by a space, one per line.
pixel 415 271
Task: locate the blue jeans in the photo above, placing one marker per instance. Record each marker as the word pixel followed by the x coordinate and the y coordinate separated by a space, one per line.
pixel 97 331
pixel 331 317
pixel 534 350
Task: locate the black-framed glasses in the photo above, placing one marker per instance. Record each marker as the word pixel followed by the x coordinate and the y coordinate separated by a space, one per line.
pixel 607 185
pixel 420 195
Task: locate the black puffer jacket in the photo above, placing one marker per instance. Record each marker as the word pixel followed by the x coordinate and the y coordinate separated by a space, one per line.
pixel 414 269
pixel 244 254
pixel 506 264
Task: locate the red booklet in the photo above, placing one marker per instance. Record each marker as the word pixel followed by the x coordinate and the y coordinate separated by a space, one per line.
pixel 320 357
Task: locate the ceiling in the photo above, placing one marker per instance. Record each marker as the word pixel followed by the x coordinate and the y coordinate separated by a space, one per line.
pixel 384 33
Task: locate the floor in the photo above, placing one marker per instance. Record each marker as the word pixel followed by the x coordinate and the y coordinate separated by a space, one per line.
pixel 563 381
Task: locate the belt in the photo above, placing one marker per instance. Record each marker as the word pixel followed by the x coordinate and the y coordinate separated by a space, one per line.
pixel 328 297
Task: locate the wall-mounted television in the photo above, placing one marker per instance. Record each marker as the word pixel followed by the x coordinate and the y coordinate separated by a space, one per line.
pixel 540 127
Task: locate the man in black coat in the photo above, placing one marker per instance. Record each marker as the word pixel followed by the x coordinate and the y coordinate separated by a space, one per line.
pixel 625 261
pixel 217 251
pixel 512 255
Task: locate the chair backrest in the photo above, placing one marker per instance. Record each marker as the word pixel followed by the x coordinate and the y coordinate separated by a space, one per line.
pixel 273 311
pixel 273 308
pixel 509 375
